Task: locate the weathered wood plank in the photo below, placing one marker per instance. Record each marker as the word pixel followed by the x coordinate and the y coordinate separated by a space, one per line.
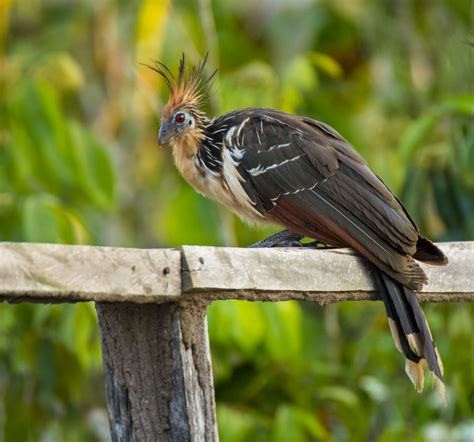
pixel 158 372
pixel 58 273
pixel 320 275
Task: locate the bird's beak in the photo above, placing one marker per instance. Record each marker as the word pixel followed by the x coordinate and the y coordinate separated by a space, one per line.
pixel 167 131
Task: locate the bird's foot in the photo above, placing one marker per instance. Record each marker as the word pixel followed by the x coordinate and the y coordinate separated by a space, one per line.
pixel 286 238
pixel 280 239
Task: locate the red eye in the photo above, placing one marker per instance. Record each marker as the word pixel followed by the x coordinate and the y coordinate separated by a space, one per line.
pixel 180 117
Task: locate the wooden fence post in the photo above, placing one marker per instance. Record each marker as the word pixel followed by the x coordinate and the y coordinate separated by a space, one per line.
pixel 158 372
pixel 151 306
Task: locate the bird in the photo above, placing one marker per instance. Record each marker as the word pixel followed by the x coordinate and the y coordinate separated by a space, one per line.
pixel 269 166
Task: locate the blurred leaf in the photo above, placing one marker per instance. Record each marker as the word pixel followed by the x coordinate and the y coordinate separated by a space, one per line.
pixel 416 133
pixel 312 426
pixel 339 394
pixel 39 220
pixel 61 71
pixel 463 104
pixel 326 64
pixel 55 121
pixel 255 84
pixel 235 425
pixel 45 371
pixel 218 313
pixel 21 150
pixel 296 424
pixel 375 388
pixel 287 426
pixel 45 220
pixel 283 330
pixel 188 218
pixel 413 191
pixel 250 329
pixel 71 228
pixel 28 106
pixel 298 78
pixel 245 324
pixel 94 168
pixel 86 342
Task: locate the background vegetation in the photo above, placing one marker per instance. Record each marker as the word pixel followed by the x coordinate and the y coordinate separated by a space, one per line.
pixel 79 163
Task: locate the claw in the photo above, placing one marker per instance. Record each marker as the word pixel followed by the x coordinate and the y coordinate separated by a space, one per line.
pixel 281 239
pixel 288 239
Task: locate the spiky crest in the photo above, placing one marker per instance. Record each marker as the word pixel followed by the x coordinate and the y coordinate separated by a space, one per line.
pixel 189 90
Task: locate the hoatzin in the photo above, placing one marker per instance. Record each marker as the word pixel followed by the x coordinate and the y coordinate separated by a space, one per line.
pixel 270 166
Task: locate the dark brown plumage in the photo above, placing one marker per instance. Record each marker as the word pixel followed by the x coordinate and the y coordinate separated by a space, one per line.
pixel 271 166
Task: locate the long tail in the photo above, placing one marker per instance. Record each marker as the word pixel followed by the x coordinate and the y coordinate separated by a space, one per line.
pixel 411 333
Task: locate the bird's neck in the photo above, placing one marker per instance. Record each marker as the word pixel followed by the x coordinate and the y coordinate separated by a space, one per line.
pixel 197 153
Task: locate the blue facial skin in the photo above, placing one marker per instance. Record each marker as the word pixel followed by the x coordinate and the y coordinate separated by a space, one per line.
pixel 169 129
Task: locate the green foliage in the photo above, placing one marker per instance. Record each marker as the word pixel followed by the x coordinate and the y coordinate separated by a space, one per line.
pixel 79 164
pixel 54 173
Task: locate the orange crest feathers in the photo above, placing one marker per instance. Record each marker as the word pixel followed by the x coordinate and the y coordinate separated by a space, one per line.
pixel 189 90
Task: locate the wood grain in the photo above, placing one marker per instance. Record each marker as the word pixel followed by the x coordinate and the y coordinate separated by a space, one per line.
pixel 158 372
pixel 319 275
pixel 59 273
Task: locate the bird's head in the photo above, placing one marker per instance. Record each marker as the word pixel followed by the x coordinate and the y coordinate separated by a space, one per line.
pixel 182 121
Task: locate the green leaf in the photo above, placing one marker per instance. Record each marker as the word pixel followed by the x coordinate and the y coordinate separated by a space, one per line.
pixel 446 204
pixel 45 370
pixel 287 426
pixel 298 78
pixel 39 220
pixel 376 389
pixel 57 124
pixel 339 394
pixel 30 111
pixel 218 313
pixel 245 324
pixel 249 325
pixel 21 150
pixel 311 424
pixel 414 190
pixel 188 218
pixel 44 219
pixel 255 84
pixel 93 167
pixel 61 71
pixel 71 228
pixel 86 339
pixel 327 64
pixel 283 330
pixel 416 133
pixel 463 104
pixel 235 425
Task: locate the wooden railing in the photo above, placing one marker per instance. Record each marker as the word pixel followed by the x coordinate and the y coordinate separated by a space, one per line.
pixel 151 307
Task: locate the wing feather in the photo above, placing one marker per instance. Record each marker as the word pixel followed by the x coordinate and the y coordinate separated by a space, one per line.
pixel 307 177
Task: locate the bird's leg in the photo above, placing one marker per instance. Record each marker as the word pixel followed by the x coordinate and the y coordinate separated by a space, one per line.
pixel 285 238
